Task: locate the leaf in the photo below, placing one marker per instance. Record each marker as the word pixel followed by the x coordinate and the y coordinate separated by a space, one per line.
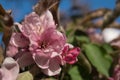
pixel 25 76
pixel 74 73
pixel 84 64
pixel 82 39
pixel 107 48
pixel 98 60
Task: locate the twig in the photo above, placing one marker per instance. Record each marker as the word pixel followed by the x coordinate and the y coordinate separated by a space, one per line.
pixel 94 14
pixel 110 17
pixel 6 22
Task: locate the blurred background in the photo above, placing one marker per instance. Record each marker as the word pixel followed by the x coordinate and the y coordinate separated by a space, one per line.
pixel 22 7
pixel 92 25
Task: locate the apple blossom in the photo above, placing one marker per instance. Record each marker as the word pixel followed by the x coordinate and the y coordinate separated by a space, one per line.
pixel 9 69
pixel 39 42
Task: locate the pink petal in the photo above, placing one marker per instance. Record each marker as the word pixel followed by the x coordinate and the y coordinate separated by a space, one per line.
pixel 70 59
pixel 19 40
pixel 31 24
pixel 70 55
pixel 11 51
pixel 41 59
pixel 47 19
pixel 55 40
pixel 25 60
pixel 35 24
pixel 5 75
pixel 9 69
pixel 75 52
pixel 54 68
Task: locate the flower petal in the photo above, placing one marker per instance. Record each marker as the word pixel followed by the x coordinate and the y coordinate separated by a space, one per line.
pixel 48 21
pixel 5 75
pixel 9 69
pixel 31 24
pixel 75 51
pixel 19 40
pixel 41 59
pixel 25 60
pixel 11 51
pixel 55 40
pixel 54 68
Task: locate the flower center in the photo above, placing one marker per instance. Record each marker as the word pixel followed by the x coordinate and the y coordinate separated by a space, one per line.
pixel 43 45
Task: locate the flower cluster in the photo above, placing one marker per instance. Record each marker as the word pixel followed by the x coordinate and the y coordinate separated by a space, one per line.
pixel 116 73
pixel 40 42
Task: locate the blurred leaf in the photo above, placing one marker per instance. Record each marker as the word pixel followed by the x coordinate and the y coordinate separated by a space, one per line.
pixel 70 39
pixel 96 57
pixel 74 73
pixel 84 63
pixel 82 39
pixel 25 76
pixel 79 32
pixel 107 48
pixel 68 32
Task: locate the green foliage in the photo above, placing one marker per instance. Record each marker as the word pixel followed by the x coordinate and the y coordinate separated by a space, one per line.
pixel 84 64
pixel 82 39
pixel 97 58
pixel 107 48
pixel 74 73
pixel 25 76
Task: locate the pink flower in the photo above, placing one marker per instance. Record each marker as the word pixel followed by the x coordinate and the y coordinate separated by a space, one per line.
pixel 33 24
pixel 9 69
pixel 46 50
pixel 116 73
pixel 70 54
pixel 38 42
pixel 18 40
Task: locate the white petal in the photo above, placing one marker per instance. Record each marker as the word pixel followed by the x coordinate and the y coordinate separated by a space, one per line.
pixel 110 34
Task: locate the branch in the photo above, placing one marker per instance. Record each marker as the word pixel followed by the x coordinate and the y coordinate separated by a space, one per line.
pixel 94 14
pixel 110 17
pixel 6 22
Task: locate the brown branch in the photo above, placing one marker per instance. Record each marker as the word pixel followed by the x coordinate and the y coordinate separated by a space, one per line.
pixel 94 14
pixel 110 17
pixel 6 22
pixel 100 23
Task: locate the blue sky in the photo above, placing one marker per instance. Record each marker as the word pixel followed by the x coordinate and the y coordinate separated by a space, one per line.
pixel 22 7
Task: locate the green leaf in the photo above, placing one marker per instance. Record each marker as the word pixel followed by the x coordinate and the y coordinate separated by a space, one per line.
pixel 74 73
pixel 97 58
pixel 107 48
pixel 83 62
pixel 68 32
pixel 82 39
pixel 25 76
pixel 70 39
